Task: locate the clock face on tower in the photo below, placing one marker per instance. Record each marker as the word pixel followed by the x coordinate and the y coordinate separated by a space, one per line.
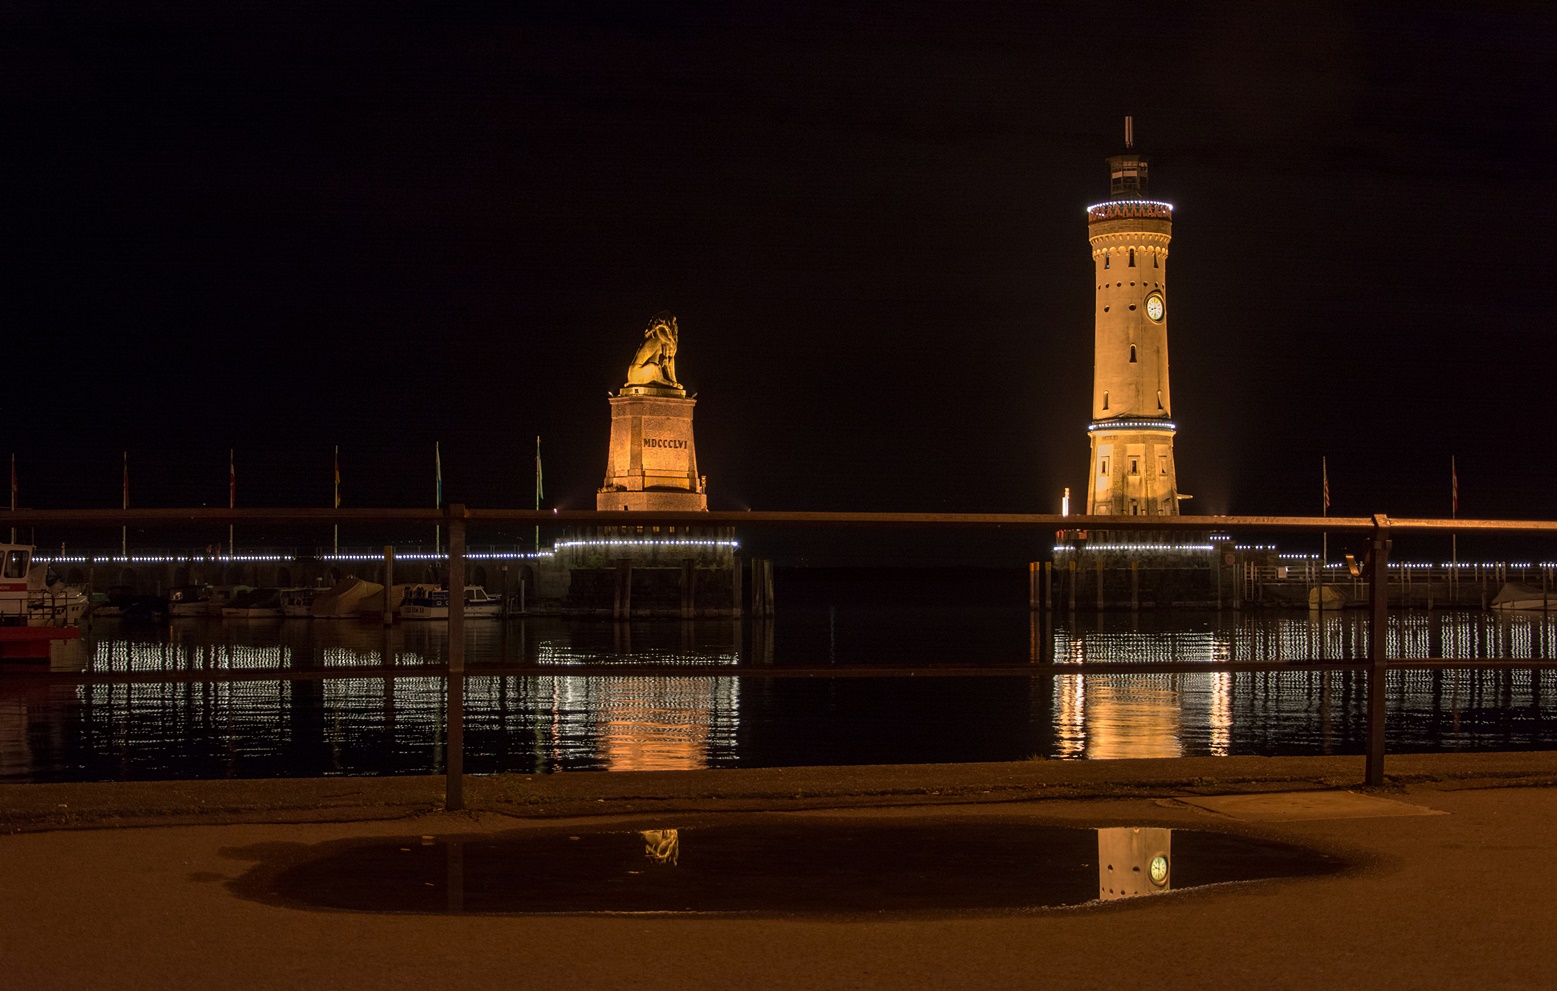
pixel 1154 306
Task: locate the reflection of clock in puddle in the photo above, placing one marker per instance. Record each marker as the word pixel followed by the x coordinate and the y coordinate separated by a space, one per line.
pixel 1132 861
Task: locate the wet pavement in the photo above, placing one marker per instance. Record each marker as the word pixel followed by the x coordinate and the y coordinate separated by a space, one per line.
pixel 1452 895
pixel 773 865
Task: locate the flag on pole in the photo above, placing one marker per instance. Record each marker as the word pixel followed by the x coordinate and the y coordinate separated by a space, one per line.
pixel 1324 470
pixel 232 480
pixel 337 476
pixel 438 470
pixel 126 502
pixel 1454 489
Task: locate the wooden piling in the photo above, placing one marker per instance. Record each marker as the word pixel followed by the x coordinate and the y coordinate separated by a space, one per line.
pixel 454 791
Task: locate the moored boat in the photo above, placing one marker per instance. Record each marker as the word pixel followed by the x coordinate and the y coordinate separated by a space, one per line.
pixel 22 638
pixel 222 596
pixel 185 601
pixel 1517 597
pixel 340 600
pixel 433 603
pixel 298 603
pixel 256 603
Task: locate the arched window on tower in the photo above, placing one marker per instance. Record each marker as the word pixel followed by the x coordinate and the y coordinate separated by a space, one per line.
pixel 1105 399
pixel 1159 399
pixel 1154 260
pixel 1132 257
pixel 1132 354
pixel 1105 260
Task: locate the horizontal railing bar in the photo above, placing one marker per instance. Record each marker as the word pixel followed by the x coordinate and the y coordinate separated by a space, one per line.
pixel 1024 670
pixel 580 517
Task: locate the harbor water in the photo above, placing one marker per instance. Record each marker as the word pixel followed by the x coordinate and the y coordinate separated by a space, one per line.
pixel 389 719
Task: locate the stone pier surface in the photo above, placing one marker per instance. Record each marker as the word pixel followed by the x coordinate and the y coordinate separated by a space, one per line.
pixel 1445 886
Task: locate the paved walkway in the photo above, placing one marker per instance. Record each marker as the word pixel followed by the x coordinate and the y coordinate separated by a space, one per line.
pixel 1462 898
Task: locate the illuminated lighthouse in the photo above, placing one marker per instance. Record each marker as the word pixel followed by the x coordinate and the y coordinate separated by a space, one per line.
pixel 1132 472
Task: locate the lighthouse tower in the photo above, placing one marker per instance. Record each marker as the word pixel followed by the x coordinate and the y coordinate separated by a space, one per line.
pixel 1132 410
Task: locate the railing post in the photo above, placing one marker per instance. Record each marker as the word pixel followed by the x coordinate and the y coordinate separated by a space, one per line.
pixel 389 585
pixel 454 789
pixel 1378 614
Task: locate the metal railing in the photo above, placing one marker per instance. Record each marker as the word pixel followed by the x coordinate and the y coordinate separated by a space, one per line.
pixel 1378 530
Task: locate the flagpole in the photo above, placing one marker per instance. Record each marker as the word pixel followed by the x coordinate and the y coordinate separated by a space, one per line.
pixel 438 498
pixel 232 496
pixel 337 527
pixel 13 493
pixel 124 531
pixel 537 491
pixel 1324 535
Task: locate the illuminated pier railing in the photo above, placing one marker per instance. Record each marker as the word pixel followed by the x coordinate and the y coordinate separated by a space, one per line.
pixel 359 555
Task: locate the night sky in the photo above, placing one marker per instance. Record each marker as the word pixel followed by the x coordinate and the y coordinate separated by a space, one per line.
pixel 278 230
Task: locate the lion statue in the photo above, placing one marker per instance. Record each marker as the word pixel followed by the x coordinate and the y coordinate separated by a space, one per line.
pixel 655 362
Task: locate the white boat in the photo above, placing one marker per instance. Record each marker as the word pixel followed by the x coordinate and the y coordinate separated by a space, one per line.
pixel 52 603
pixel 1515 597
pixel 340 601
pixel 256 603
pixel 298 603
pixel 433 603
pixel 29 637
pixel 186 601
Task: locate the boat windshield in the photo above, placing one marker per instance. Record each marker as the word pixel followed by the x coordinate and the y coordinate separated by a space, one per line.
pixel 16 564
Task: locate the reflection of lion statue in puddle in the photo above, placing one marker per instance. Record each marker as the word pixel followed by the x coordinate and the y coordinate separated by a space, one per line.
pixel 655 362
pixel 663 846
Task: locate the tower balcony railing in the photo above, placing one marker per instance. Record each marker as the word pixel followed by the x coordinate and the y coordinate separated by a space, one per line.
pixel 1129 210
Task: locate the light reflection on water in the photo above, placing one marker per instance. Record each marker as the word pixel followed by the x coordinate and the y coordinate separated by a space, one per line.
pixel 592 720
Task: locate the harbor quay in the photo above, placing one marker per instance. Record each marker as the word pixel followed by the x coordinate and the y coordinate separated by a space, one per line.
pixel 177 901
pixel 624 571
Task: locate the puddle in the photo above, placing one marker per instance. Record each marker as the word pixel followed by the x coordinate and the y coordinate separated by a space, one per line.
pixel 769 865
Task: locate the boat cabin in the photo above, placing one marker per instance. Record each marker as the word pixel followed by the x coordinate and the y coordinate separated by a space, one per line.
pixel 15 559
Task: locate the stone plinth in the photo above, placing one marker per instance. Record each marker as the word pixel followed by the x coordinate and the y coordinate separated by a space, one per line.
pixel 652 462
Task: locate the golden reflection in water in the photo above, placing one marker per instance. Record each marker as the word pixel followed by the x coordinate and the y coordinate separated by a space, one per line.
pixel 1070 720
pixel 1133 861
pixel 656 724
pixel 1220 718
pixel 663 846
pixel 1137 716
pixel 641 723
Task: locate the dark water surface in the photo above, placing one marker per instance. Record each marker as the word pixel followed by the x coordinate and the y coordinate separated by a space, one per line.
pixel 767 864
pixel 585 718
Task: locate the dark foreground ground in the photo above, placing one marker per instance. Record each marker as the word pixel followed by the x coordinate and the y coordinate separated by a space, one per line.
pixel 1449 882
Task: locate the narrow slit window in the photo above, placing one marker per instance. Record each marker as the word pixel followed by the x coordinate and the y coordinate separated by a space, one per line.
pixel 1102 466
pixel 1154 260
pixel 1159 399
pixel 1105 399
pixel 1106 263
pixel 1132 354
pixel 1135 466
pixel 1132 257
